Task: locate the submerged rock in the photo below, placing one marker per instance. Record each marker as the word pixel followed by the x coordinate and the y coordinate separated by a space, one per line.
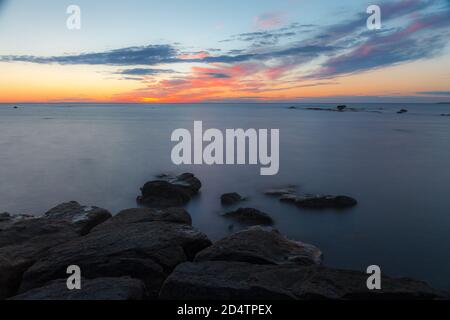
pixel 219 280
pixel 402 111
pixel 261 246
pixel 326 202
pixel 250 216
pixel 228 199
pixel 280 191
pixel 124 288
pixel 145 245
pixel 172 192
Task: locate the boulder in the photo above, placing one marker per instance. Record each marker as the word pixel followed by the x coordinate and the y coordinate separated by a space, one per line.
pixel 261 246
pixel 250 216
pixel 218 280
pixel 22 243
pixel 145 246
pixel 138 215
pixel 228 199
pixel 7 220
pixel 325 202
pixel 172 192
pixel 402 111
pixel 341 107
pixel 124 288
pixel 83 218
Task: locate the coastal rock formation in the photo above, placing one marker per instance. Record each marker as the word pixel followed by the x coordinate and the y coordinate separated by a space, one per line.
pixel 24 242
pixel 402 111
pixel 171 192
pixel 250 216
pixel 341 107
pixel 82 217
pixel 145 245
pixel 228 199
pixel 245 281
pixel 261 246
pixel 124 288
pixel 24 239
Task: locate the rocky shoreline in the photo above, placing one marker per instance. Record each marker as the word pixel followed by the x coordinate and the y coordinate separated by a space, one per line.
pixel 155 253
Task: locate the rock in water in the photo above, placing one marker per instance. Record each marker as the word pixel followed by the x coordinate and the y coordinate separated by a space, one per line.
pixel 261 246
pixel 145 245
pixel 170 192
pixel 219 280
pixel 250 216
pixel 280 192
pixel 341 107
pixel 402 111
pixel 124 288
pixel 325 202
pixel 82 217
pixel 228 199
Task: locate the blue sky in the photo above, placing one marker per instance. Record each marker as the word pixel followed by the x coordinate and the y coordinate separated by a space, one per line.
pixel 297 43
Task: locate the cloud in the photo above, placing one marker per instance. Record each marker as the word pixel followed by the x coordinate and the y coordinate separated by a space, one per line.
pixel 413 42
pixel 144 55
pixel 144 71
pixel 270 20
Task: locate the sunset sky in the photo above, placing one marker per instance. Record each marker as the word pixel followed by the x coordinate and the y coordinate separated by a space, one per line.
pixel 224 51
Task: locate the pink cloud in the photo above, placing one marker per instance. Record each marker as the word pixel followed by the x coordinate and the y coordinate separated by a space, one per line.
pixel 270 20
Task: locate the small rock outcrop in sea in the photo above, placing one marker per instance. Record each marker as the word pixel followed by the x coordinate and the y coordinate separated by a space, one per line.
pixel 261 246
pixel 228 199
pixel 24 239
pixel 402 111
pixel 280 191
pixel 250 216
pixel 170 192
pixel 326 202
pixel 230 280
pixel 341 107
pixel 146 244
pixel 319 201
pixel 124 288
pixel 292 107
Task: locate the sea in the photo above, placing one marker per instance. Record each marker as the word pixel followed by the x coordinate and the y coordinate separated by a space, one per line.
pixel 397 166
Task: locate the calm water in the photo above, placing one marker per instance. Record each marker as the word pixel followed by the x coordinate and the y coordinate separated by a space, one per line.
pixel 397 166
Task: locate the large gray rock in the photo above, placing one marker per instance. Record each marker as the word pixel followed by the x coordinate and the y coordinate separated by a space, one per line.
pixel 24 238
pixel 7 220
pixel 22 243
pixel 124 288
pixel 147 246
pixel 261 246
pixel 171 192
pixel 83 218
pixel 250 216
pixel 219 280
